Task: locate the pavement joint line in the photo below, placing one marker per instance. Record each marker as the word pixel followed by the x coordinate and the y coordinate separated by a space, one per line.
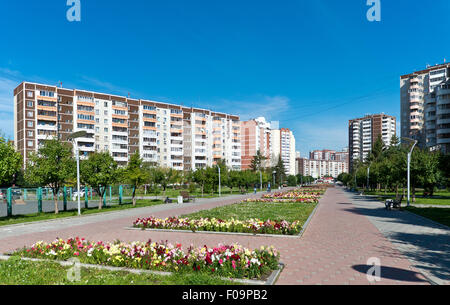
pixel 270 281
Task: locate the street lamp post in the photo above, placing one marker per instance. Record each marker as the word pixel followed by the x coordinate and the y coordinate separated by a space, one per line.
pixel 73 137
pixel 220 194
pixel 409 171
pixel 274 173
pixel 368 174
pixel 260 180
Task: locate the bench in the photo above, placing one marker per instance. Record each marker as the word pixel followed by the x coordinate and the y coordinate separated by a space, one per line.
pixel 394 203
pixel 186 196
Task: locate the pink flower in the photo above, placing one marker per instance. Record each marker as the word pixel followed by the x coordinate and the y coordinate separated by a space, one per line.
pixel 76 253
pixel 233 263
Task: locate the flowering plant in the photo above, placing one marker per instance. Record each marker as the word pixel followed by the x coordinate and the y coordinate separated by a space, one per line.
pixel 255 226
pixel 231 261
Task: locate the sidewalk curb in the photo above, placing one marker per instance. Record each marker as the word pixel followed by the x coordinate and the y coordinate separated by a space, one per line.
pixel 270 281
pixel 214 232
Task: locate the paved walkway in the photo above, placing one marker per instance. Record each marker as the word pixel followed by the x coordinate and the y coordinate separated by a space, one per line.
pixel 334 249
pixel 425 243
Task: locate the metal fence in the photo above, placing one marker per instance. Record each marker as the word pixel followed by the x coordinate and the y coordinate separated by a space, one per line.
pixel 24 201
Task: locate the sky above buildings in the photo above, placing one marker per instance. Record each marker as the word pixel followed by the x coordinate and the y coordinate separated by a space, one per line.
pixel 312 65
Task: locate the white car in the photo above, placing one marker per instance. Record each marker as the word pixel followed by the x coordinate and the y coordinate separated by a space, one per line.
pixel 75 195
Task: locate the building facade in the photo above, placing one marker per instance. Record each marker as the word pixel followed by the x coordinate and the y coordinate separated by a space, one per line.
pixel 255 136
pixel 322 163
pixel 165 134
pixel 363 132
pixel 321 168
pixel 283 145
pixel 425 109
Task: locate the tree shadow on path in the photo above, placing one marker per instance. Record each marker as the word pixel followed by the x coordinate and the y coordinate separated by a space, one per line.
pixel 392 273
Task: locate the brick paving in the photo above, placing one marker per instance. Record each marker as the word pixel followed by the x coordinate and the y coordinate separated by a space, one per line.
pixel 334 249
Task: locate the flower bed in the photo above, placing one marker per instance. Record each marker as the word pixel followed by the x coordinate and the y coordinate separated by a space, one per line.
pixel 281 200
pixel 254 226
pixel 230 261
pixel 289 197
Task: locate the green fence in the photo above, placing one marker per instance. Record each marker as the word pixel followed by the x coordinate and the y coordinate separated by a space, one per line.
pixel 22 201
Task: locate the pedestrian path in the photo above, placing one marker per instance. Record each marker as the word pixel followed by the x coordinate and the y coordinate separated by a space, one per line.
pixel 425 243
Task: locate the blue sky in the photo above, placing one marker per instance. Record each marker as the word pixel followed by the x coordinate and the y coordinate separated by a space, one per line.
pixel 312 65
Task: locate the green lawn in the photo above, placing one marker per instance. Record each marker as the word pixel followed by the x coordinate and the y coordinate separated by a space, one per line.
pixel 440 215
pixel 439 197
pixel 19 272
pixel 4 221
pixel 263 211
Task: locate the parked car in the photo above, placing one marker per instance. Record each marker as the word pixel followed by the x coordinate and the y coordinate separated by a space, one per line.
pixel 75 195
pixel 2 195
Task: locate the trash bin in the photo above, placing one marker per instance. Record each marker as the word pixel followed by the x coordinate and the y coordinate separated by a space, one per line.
pixel 180 199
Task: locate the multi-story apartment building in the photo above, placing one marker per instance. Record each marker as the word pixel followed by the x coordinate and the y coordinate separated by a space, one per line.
pixel 164 134
pixel 283 145
pixel 363 132
pixel 425 113
pixel 255 136
pixel 319 168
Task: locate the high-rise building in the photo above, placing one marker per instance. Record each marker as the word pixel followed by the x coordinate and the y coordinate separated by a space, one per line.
pixel 165 134
pixel 283 145
pixel 255 136
pixel 425 107
pixel 363 132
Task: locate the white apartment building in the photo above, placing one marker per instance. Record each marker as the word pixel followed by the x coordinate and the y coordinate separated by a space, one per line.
pixel 283 144
pixel 424 107
pixel 363 132
pixel 321 168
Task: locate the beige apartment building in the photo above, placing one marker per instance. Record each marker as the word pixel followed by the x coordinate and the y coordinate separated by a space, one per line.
pixel 323 163
pixel 255 135
pixel 363 132
pixel 165 134
pixel 425 107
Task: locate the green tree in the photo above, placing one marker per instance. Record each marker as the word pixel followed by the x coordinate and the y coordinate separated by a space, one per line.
pixel 292 180
pixel 99 171
pixel 136 173
pixel 280 170
pixel 444 166
pixel 10 163
pixel 52 165
pixel 199 177
pixel 257 161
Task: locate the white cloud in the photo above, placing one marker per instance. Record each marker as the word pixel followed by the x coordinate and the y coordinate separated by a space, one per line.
pixel 270 107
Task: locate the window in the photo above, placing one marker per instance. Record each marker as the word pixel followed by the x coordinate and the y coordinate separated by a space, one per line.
pixel 97 112
pixel 106 104
pixel 30 103
pixel 30 143
pixel 106 129
pixel 30 124
pixel 30 114
pixel 30 134
pixel 97 129
pixel 29 93
pixel 106 121
pixel 106 112
pixel 97 120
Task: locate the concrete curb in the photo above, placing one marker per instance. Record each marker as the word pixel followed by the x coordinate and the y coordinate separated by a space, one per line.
pixel 213 232
pixel 270 281
pixel 306 225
